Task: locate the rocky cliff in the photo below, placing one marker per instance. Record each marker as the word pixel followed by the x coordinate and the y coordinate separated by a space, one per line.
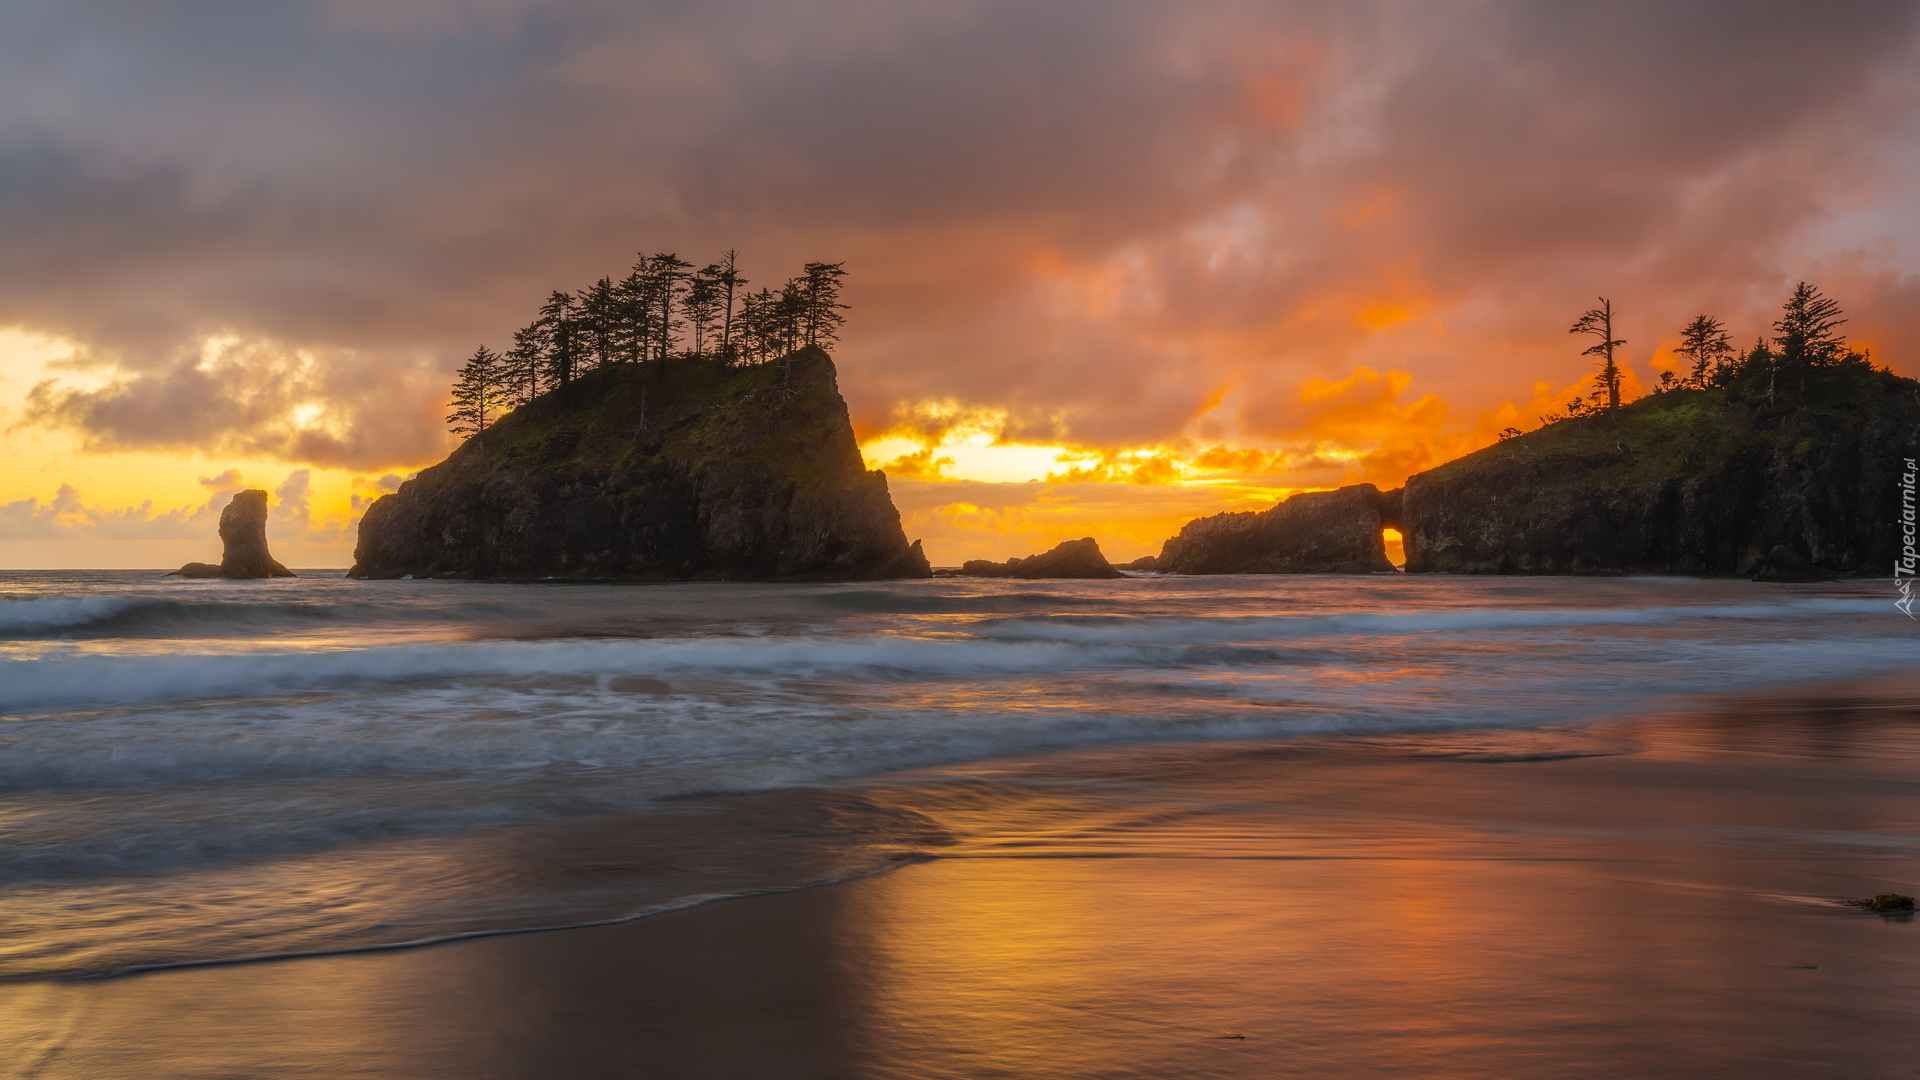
pixel 1326 532
pixel 1705 482
pixel 683 471
pixel 243 540
pixel 1080 558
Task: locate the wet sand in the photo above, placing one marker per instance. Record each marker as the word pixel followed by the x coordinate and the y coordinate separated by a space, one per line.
pixel 1649 899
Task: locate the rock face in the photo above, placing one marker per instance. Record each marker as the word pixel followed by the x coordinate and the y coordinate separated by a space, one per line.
pixel 1699 482
pixel 1315 532
pixel 243 536
pixel 1073 559
pixel 687 471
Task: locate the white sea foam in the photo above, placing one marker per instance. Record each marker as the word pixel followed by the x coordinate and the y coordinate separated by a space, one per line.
pixel 159 726
pixel 1382 624
pixel 50 615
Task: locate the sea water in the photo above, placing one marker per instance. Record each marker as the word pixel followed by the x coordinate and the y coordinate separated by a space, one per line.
pixel 202 771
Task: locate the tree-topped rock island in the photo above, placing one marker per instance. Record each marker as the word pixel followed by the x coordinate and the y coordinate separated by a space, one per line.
pixel 627 456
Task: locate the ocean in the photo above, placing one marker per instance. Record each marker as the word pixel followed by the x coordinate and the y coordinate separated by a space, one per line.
pixel 195 772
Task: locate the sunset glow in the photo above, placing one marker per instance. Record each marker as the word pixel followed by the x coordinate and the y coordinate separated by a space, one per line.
pixel 1236 260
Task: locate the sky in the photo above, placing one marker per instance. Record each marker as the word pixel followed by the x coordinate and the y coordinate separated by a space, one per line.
pixel 1112 264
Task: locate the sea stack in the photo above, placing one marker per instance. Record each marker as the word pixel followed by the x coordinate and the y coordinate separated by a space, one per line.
pixel 1315 532
pixel 1073 559
pixel 686 469
pixel 243 536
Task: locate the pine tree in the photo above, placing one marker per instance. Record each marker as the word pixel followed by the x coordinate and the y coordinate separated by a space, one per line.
pixel 1807 331
pixel 478 393
pixel 560 323
pixel 1599 323
pixel 598 316
pixel 701 305
pixel 523 362
pixel 820 298
pixel 790 314
pixel 1704 341
pixel 727 274
pixel 667 275
pixel 633 317
pixel 758 329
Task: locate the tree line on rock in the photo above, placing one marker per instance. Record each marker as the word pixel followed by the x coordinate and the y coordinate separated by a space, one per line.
pixel 1806 343
pixel 662 308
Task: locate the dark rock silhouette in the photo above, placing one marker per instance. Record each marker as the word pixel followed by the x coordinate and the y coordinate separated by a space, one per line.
pixel 687 470
pixel 1693 482
pixel 1073 559
pixel 243 537
pixel 1314 532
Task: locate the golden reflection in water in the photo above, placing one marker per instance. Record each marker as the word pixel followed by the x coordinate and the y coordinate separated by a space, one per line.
pixel 1606 917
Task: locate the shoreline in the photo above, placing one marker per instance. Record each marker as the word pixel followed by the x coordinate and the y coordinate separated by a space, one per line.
pixel 1654 897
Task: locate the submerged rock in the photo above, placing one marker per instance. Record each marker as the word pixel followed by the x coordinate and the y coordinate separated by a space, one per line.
pixel 685 471
pixel 1315 532
pixel 1699 482
pixel 243 537
pixel 1073 559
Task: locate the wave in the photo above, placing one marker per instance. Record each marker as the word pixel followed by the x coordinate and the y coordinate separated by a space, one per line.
pixel 992 647
pixel 1190 630
pixel 116 616
pixel 148 616
pixel 97 679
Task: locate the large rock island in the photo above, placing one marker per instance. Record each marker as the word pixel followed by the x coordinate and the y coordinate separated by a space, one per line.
pixel 1701 482
pixel 688 470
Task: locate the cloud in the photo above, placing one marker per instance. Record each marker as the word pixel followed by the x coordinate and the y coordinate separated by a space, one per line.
pixel 67 516
pixel 1116 225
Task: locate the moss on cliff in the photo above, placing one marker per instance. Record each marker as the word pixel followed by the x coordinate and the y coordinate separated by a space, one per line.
pixel 683 470
pixel 1690 481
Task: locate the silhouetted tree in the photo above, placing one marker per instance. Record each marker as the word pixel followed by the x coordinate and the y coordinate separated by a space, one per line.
pixel 666 276
pixel 478 393
pixel 639 318
pixel 701 306
pixel 1704 341
pixel 790 313
pixel 598 319
pixel 523 362
pixel 820 318
pixel 760 326
pixel 560 324
pixel 633 316
pixel 1599 323
pixel 727 274
pixel 1807 334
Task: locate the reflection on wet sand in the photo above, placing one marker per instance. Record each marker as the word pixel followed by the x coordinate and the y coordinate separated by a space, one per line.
pixel 1650 901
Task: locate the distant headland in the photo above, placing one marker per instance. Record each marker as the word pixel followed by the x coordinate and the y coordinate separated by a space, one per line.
pixel 1784 462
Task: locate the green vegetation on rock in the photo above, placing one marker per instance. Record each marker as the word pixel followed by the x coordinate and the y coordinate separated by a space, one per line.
pixel 1738 478
pixel 679 468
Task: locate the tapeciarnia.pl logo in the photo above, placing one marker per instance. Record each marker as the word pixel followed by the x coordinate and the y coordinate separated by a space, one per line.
pixel 1904 566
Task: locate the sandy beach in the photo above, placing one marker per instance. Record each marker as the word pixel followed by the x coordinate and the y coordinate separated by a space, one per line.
pixel 1652 898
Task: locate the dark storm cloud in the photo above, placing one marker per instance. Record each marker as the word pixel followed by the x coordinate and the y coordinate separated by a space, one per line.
pixel 1097 216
